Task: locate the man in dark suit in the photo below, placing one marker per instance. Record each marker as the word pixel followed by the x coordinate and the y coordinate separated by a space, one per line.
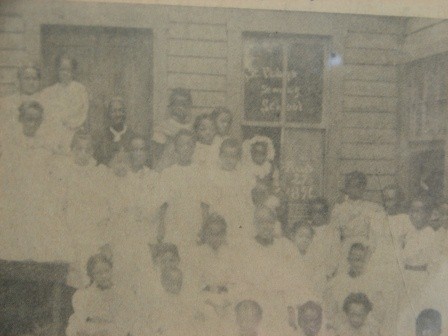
pixel 116 135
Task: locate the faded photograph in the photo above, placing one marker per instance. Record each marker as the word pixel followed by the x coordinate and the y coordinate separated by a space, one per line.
pixel 174 170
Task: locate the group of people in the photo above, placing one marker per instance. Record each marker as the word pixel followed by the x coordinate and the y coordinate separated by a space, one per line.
pixel 193 236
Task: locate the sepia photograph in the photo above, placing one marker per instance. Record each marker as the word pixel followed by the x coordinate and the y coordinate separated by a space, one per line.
pixel 223 168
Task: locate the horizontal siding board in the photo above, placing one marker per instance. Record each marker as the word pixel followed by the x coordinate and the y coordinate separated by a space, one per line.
pixel 197 48
pixel 372 41
pixel 415 24
pixel 199 15
pixel 368 136
pixel 208 99
pixel 8 75
pixel 11 41
pixel 11 57
pixel 369 104
pixel 13 24
pixel 368 151
pixel 197 65
pixel 368 120
pixel 375 89
pixel 370 56
pixel 371 73
pixel 197 82
pixel 375 24
pixel 191 31
pixel 368 166
pixel 7 89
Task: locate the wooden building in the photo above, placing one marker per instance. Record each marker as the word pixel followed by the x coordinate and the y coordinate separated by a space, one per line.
pixel 373 92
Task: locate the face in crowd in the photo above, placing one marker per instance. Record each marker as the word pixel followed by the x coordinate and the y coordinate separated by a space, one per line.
pixel 248 317
pixel 65 70
pixel 310 319
pixel 120 163
pixel 205 131
pixel 117 114
pixel 29 80
pixel 265 221
pixel 419 214
pixel 184 147
pixel 180 109
pixel 222 123
pixel 139 153
pixel 357 259
pixel 215 233
pixel 101 275
pixel 259 153
pixel 303 238
pixel 31 117
pixel 230 155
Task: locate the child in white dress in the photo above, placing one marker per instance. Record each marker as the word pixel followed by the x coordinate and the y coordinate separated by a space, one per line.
pixel 179 118
pixel 66 103
pixel 222 119
pixel 231 193
pixel 258 160
pixel 102 308
pixel 204 152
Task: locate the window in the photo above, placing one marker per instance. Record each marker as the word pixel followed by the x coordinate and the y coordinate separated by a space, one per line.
pixel 425 98
pixel 283 99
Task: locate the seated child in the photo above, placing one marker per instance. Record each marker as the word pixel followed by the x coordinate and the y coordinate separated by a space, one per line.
pixel 358 321
pixel 222 119
pixel 249 316
pixel 179 118
pixel 428 323
pixel 259 155
pixel 101 308
pixel 204 153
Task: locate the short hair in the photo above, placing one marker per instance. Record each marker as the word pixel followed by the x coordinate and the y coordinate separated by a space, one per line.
pixel 199 119
pixel 428 318
pixel 213 218
pixel 302 224
pixel 357 298
pixel 317 201
pixel 181 133
pixel 358 246
pixel 163 248
pixel 231 143
pixel 180 92
pixel 29 65
pixel 94 260
pixel 356 177
pixel 113 100
pixel 310 305
pixel 65 55
pixel 25 106
pixel 217 111
pixel 80 134
pixel 251 304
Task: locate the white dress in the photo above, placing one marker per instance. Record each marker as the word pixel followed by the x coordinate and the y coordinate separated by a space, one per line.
pixel 95 310
pixel 184 189
pixel 66 108
pixel 232 199
pixel 32 218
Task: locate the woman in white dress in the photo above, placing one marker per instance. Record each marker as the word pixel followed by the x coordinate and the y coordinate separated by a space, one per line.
pixel 66 104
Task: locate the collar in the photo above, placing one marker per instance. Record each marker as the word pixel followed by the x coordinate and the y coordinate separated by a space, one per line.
pixel 118 135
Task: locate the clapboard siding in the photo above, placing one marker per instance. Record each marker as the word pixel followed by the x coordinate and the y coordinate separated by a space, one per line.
pixel 368 167
pixel 372 41
pixel 369 104
pixel 208 99
pixel 368 136
pixel 11 41
pixel 197 65
pixel 7 89
pixel 199 32
pixel 11 24
pixel 197 82
pixel 11 57
pixel 374 89
pixel 375 24
pixel 8 75
pixel 371 73
pixel 368 151
pixel 366 56
pixel 197 48
pixel 416 24
pixel 368 120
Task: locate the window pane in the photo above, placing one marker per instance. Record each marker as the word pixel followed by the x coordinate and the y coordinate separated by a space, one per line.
pixel 263 70
pixel 305 82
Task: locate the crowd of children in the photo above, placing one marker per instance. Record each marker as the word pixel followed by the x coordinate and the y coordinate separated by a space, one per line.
pixel 199 243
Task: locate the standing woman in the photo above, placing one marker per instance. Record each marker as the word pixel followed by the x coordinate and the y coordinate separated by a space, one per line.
pixel 66 103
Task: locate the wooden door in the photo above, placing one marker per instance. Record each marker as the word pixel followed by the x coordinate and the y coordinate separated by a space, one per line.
pixel 111 61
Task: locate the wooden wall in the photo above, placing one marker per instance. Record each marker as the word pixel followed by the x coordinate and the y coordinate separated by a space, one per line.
pixel 193 48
